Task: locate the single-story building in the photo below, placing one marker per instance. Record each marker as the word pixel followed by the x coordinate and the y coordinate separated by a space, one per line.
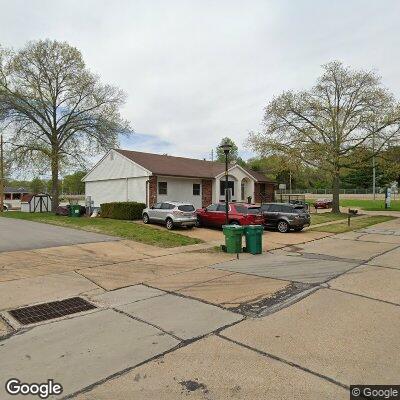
pixel 124 175
pixel 12 196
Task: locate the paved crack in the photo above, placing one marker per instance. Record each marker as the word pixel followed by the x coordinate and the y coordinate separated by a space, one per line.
pixel 290 363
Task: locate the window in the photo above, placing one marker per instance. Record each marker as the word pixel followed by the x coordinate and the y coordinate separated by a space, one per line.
pixel 186 208
pixel 254 210
pixel 167 206
pixel 221 207
pixel 213 207
pixel 274 208
pixel 196 189
pixel 231 185
pixel 162 188
pixel 157 206
pixel 241 209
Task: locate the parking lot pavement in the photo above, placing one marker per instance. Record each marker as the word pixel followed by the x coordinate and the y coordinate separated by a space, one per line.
pixel 25 235
pixel 389 259
pixel 80 351
pixel 21 292
pixel 375 282
pixel 214 368
pixel 344 249
pixel 189 318
pixel 289 267
pixel 348 338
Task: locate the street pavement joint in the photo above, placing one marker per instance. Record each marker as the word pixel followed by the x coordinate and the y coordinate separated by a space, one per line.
pixel 292 364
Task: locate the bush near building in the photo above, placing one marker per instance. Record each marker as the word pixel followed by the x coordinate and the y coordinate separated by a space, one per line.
pixel 122 210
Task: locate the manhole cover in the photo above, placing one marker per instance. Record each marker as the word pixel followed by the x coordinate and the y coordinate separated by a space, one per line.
pixel 54 309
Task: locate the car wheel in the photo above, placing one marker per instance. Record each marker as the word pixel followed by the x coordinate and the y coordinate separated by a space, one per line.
pixel 234 223
pixel 146 219
pixel 283 227
pixel 169 224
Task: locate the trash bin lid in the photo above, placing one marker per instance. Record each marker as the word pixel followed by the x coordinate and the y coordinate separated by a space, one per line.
pixel 232 227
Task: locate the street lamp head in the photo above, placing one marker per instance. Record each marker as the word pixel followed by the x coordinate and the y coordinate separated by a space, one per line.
pixel 226 147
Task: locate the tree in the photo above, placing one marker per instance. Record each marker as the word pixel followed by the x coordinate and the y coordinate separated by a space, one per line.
pixel 233 154
pixel 59 112
pixel 322 126
pixel 37 185
pixel 72 184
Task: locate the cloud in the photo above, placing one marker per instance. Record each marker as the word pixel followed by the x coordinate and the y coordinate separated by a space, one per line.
pixel 195 72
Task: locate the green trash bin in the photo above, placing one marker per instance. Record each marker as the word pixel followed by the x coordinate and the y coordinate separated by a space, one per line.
pixel 233 238
pixel 254 235
pixel 75 210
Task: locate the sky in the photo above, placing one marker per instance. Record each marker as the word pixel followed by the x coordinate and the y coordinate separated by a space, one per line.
pixel 197 71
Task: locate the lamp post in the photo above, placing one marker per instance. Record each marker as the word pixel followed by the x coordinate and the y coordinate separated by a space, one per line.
pixel 226 147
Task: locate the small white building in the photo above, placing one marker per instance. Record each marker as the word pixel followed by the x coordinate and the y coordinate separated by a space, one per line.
pixel 36 203
pixel 124 175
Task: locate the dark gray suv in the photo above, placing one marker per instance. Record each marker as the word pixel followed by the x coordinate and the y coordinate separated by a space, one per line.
pixel 285 216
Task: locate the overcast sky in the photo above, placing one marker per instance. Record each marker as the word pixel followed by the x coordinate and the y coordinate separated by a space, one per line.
pixel 196 71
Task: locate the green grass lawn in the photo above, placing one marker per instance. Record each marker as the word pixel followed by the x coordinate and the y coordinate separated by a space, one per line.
pixel 326 217
pixel 125 229
pixel 370 205
pixel 356 223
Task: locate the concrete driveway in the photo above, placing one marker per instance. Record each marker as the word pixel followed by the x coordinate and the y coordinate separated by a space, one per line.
pixel 17 234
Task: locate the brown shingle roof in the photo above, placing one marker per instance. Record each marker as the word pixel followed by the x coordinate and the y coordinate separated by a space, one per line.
pixel 160 164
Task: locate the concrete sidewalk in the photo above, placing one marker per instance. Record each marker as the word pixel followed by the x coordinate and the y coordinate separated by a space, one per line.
pixel 176 325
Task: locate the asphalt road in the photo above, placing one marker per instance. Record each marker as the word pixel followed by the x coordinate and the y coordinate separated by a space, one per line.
pixel 26 235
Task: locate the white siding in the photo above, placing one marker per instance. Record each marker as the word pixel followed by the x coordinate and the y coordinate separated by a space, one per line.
pixel 115 166
pixel 180 189
pixel 236 175
pixel 130 189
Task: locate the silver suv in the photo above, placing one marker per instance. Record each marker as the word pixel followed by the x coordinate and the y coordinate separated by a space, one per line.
pixel 171 213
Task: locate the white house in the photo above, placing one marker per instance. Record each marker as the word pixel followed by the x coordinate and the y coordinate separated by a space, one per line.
pixel 124 175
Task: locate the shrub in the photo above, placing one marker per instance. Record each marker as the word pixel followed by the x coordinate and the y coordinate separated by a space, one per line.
pixel 122 210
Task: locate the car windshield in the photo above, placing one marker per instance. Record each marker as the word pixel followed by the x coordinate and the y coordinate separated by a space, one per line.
pixel 186 208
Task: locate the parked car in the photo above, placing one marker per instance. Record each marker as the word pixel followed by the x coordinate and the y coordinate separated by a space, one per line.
pixel 323 203
pixel 239 214
pixel 171 213
pixel 285 216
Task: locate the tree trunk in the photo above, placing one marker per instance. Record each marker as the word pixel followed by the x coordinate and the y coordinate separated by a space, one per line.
pixel 55 192
pixel 335 192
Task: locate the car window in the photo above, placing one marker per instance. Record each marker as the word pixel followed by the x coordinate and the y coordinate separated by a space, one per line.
pixel 213 207
pixel 167 206
pixel 286 209
pixel 265 207
pixel 186 207
pixel 157 206
pixel 221 207
pixel 274 208
pixel 253 210
pixel 241 209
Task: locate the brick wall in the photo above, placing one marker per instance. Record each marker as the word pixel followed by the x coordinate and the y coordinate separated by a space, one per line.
pixel 206 192
pixel 152 190
pixel 266 196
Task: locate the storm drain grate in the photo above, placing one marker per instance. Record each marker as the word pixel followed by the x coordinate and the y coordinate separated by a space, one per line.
pixel 54 309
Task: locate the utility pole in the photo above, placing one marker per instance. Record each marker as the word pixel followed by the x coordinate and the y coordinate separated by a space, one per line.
pixel 1 175
pixel 373 166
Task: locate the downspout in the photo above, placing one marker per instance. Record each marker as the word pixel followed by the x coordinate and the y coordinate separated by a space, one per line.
pixel 147 192
pixel 127 197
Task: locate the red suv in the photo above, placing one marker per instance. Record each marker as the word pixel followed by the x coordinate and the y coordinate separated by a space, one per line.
pixel 239 214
